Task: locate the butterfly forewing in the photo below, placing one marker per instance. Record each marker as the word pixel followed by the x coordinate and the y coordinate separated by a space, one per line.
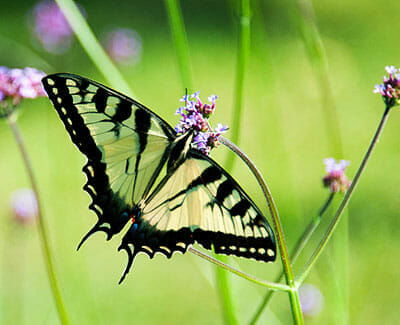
pixel 125 143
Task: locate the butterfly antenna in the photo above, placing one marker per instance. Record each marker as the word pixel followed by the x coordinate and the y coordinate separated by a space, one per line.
pixel 131 257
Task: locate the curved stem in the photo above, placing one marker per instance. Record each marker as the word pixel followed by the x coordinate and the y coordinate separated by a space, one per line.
pixel 346 199
pixel 298 248
pixel 44 240
pixel 287 267
pixel 271 285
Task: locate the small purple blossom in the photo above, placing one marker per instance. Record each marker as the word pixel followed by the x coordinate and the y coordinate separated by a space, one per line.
pixel 194 116
pixel 24 206
pixel 221 128
pixel 311 300
pixel 51 27
pixel 16 84
pixel 390 89
pixel 335 178
pixel 124 45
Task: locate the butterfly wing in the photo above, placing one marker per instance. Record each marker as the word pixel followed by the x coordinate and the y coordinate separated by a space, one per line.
pixel 200 202
pixel 125 143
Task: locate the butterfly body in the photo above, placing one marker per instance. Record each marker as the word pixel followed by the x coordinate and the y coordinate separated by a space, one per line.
pixel 140 171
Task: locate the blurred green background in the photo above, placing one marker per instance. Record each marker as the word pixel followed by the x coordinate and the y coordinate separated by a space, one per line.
pixel 283 131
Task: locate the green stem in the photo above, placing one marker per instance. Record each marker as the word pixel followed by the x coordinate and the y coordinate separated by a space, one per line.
pixel 43 234
pixel 317 56
pixel 287 267
pixel 243 55
pixel 298 248
pixel 251 278
pixel 225 294
pixel 345 200
pixel 180 41
pixel 92 47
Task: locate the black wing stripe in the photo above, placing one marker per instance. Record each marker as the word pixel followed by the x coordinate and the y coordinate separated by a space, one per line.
pixel 240 208
pixel 209 175
pixel 142 125
pixel 100 100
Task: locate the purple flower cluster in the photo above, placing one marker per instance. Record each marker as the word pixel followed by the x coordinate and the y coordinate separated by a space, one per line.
pixel 194 116
pixel 335 178
pixel 51 28
pixel 123 45
pixel 390 89
pixel 16 84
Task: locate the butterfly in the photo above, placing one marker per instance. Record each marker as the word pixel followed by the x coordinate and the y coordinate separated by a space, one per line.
pixel 140 172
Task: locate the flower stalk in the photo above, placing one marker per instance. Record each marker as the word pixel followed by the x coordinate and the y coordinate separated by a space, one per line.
pixel 303 275
pixel 251 278
pixel 287 267
pixel 298 248
pixel 43 233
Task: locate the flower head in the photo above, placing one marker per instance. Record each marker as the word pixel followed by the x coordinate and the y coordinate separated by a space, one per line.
pixel 51 27
pixel 123 45
pixel 390 88
pixel 311 300
pixel 194 116
pixel 335 178
pixel 16 84
pixel 24 206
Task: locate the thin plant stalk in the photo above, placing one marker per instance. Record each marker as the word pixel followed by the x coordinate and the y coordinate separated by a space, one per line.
pixel 180 41
pixel 303 275
pixel 92 46
pixel 280 238
pixel 241 66
pixel 249 277
pixel 317 56
pixel 43 233
pixel 298 248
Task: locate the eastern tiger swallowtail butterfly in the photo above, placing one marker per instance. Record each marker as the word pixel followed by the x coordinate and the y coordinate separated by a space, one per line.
pixel 140 171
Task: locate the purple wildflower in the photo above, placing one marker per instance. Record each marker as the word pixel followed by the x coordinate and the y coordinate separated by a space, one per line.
pixel 16 84
pixel 390 89
pixel 335 178
pixel 311 300
pixel 194 116
pixel 24 206
pixel 123 45
pixel 51 27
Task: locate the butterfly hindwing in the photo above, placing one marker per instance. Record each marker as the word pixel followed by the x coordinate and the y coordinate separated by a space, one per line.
pixel 125 143
pixel 201 203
